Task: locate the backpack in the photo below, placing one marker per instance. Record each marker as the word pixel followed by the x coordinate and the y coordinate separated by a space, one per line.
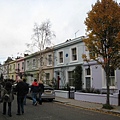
pixel 6 97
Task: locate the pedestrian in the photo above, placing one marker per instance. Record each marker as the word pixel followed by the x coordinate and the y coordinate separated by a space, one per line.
pixel 41 90
pixel 27 90
pixel 21 92
pixel 34 91
pixel 7 98
pixel 0 90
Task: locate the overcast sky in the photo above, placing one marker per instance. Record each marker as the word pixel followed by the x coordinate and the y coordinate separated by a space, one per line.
pixel 17 18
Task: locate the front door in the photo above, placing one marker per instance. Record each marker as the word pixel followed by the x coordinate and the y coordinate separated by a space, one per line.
pixel 88 82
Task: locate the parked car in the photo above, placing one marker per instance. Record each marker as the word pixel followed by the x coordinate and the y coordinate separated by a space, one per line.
pixel 48 94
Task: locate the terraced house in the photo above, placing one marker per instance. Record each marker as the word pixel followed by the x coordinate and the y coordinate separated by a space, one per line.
pixel 67 56
pixel 39 65
pixel 57 64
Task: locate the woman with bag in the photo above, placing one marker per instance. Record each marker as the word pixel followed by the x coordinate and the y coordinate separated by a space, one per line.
pixel 7 98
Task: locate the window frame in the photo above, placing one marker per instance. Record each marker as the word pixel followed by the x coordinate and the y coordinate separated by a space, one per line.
pixel 49 60
pixel 59 61
pixel 104 80
pixel 71 78
pixel 71 54
pixel 34 62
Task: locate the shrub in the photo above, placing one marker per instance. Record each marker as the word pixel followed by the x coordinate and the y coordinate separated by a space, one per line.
pixel 91 90
pixel 107 106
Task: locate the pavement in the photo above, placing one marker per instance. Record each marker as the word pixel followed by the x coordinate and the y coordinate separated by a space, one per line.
pixel 88 105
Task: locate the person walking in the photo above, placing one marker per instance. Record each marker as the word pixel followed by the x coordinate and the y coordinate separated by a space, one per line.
pixel 27 90
pixel 41 90
pixel 21 92
pixel 34 91
pixel 7 98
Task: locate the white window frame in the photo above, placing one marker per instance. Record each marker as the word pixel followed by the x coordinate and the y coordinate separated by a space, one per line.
pixel 90 76
pixel 70 78
pixel 72 55
pixel 104 81
pixel 47 79
pixel 49 60
pixel 59 57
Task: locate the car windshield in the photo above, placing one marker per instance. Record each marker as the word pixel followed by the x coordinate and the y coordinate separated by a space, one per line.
pixel 47 87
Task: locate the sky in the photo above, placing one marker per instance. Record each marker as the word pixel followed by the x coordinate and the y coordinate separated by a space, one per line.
pixel 17 19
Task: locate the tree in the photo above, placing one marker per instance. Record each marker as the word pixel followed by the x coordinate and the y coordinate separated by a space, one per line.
pixel 78 77
pixel 41 39
pixel 103 37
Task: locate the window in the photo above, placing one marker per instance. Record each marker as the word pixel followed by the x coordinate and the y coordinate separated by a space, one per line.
pixel 22 65
pixel 112 81
pixel 61 57
pixel 49 59
pixel 47 78
pixel 12 76
pixel 14 66
pixel 34 62
pixel 27 63
pixel 70 78
pixel 10 68
pixel 18 66
pixel 112 77
pixel 87 71
pixel 74 54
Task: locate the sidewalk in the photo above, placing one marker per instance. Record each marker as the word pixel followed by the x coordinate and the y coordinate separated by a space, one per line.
pixel 87 105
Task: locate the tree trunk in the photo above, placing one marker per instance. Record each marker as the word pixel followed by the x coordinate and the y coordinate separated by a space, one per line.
pixel 108 82
pixel 108 90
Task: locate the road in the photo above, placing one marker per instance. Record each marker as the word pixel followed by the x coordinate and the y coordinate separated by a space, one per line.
pixel 55 111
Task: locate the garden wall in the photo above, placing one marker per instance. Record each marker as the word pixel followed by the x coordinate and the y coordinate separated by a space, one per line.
pixel 96 98
pixel 62 93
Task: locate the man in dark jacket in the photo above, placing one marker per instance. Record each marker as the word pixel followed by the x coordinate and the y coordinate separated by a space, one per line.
pixel 34 90
pixel 21 92
pixel 27 90
pixel 41 90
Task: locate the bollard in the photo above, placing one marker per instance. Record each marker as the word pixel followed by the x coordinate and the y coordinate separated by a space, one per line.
pixel 119 98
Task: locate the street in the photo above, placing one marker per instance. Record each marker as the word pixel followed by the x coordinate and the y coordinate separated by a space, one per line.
pixel 54 111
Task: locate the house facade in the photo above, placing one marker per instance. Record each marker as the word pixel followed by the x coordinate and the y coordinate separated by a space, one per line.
pixel 5 68
pixel 20 67
pixel 48 65
pixel 31 67
pixel 95 78
pixel 40 63
pixel 67 56
pixel 58 64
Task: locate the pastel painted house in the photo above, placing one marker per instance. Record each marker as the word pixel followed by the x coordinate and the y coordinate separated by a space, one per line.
pixel 20 68
pixel 67 56
pixel 43 62
pixel 94 77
